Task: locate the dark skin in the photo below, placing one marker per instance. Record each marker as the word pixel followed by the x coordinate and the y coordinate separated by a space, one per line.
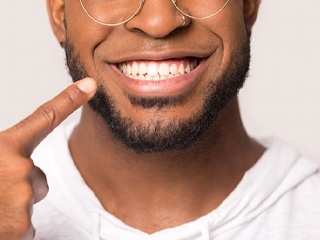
pixel 175 187
pixel 21 183
pixel 164 189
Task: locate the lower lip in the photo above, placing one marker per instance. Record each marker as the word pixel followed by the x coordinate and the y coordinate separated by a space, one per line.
pixel 166 87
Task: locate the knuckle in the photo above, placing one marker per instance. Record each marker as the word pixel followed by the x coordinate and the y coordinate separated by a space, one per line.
pixel 71 95
pixel 25 168
pixel 17 168
pixel 49 113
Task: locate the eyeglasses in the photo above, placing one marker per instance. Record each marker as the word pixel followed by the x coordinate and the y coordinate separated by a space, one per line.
pixel 117 12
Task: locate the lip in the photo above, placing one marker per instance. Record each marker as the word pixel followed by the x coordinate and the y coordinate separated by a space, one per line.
pixel 167 87
pixel 160 55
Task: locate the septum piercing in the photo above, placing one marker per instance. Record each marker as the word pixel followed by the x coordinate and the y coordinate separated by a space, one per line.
pixel 184 20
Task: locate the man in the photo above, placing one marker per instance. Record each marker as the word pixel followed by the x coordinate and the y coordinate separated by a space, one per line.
pixel 160 151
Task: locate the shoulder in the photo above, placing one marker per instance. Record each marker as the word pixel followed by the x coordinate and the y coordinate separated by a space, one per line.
pixel 300 174
pixel 299 194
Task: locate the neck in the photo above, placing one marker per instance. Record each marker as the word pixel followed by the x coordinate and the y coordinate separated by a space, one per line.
pixel 156 191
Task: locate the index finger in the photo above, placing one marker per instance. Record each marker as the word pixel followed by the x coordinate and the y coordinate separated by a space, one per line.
pixel 28 133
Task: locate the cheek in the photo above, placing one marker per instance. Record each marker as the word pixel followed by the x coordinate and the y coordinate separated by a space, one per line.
pixel 235 29
pixel 229 25
pixel 84 34
pixel 230 29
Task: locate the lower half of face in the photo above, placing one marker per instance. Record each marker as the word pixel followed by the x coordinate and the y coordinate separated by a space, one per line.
pixel 150 123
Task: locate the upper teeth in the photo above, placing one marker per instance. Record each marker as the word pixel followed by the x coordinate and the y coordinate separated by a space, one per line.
pixel 151 70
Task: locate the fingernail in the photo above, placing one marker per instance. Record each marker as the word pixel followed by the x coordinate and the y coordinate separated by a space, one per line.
pixel 87 85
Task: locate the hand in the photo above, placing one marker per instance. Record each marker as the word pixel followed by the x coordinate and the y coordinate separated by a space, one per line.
pixel 21 183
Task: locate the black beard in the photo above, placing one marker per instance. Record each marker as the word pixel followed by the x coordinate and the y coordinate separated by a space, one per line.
pixel 157 136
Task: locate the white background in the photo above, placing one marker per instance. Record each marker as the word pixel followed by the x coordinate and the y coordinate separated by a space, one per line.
pixel 281 98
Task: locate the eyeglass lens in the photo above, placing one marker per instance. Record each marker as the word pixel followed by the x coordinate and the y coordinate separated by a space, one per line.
pixel 115 12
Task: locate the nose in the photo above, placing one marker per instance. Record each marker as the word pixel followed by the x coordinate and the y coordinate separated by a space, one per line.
pixel 157 18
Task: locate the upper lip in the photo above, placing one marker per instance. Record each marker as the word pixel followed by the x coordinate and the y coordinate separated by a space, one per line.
pixel 158 56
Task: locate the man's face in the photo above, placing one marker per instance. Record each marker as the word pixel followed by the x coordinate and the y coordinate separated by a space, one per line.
pixel 159 115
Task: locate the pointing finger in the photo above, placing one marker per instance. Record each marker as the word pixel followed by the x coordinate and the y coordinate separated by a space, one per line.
pixel 28 133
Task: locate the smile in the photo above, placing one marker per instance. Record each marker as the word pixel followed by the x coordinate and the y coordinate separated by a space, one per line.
pixel 157 70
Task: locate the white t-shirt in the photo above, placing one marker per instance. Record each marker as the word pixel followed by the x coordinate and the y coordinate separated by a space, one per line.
pixel 278 199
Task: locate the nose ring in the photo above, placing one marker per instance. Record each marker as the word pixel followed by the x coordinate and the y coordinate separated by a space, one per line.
pixel 184 20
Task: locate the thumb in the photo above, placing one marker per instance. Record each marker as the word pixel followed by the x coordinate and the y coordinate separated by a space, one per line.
pixel 39 184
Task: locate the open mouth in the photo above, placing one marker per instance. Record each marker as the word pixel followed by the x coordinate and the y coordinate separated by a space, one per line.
pixel 157 70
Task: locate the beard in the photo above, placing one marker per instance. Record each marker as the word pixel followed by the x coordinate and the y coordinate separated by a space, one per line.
pixel 157 136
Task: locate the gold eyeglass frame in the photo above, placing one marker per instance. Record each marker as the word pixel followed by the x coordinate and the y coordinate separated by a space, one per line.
pixel 174 2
